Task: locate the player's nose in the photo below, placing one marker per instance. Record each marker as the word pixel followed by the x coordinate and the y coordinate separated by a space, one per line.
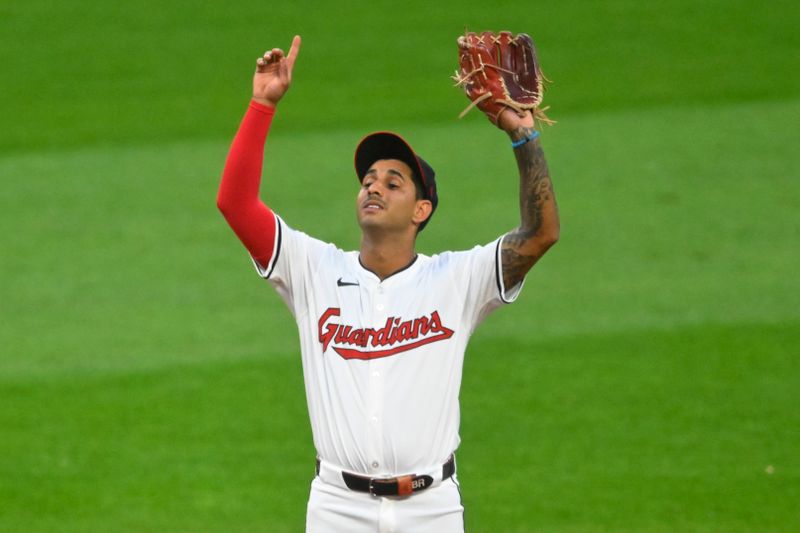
pixel 375 188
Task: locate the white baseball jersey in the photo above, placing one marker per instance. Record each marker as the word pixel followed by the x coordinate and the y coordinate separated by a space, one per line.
pixel 382 360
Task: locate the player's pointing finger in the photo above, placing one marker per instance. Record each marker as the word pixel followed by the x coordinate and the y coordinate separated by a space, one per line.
pixel 293 51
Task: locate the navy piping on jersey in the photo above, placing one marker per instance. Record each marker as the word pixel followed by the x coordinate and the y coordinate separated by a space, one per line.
pixel 393 273
pixel 497 272
pixel 277 248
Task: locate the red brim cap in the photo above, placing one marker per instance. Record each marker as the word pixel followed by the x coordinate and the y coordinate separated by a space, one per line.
pixel 388 145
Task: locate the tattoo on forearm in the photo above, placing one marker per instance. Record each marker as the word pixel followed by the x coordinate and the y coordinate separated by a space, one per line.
pixel 535 196
pixel 515 265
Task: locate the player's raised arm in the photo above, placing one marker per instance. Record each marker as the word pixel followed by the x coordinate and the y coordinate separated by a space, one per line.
pixel 500 74
pixel 238 199
pixel 539 224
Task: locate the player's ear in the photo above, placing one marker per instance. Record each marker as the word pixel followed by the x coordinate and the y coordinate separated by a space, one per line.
pixel 422 211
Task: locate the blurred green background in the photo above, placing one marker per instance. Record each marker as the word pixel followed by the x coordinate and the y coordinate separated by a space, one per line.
pixel 647 380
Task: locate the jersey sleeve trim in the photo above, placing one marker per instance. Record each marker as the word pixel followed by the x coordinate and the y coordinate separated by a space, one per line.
pixel 507 296
pixel 266 271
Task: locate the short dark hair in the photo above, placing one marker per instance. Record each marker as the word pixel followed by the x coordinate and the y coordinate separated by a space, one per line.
pixel 417 185
pixel 420 195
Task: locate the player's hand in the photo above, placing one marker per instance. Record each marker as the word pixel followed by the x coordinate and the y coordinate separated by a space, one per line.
pixel 274 74
pixel 509 120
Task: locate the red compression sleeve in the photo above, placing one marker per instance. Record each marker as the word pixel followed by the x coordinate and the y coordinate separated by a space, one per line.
pixel 252 221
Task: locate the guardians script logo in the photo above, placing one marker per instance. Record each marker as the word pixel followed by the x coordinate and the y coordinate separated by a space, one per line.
pixel 395 337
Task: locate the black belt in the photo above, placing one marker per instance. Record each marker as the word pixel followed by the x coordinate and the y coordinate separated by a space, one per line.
pixel 395 486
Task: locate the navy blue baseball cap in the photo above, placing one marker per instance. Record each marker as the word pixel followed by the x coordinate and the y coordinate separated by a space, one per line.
pixel 388 145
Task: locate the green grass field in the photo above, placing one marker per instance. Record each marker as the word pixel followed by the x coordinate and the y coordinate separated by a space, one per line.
pixel 648 378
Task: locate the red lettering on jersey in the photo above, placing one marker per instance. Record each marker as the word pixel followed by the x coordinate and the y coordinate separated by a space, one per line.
pixel 396 336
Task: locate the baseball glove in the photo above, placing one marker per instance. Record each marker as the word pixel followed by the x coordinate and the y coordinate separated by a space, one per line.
pixel 499 71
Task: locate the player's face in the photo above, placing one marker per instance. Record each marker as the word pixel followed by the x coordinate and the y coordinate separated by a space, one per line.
pixel 388 197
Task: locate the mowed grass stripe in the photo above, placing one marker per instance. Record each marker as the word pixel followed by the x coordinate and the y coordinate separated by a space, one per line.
pixel 601 55
pixel 222 446
pixel 692 429
pixel 689 430
pixel 118 261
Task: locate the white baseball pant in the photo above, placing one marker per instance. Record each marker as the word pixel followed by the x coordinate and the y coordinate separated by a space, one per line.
pixel 333 508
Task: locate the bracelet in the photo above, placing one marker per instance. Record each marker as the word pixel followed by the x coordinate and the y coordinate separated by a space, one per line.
pixel 517 144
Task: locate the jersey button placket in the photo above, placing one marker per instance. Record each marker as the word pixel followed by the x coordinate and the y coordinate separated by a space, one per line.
pixel 380 305
pixel 376 390
pixel 375 416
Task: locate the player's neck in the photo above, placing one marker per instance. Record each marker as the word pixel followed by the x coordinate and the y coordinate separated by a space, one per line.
pixel 385 255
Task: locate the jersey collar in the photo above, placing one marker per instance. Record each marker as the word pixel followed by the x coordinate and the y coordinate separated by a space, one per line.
pixel 395 273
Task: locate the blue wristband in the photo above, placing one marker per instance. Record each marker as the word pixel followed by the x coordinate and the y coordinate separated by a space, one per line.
pixel 517 144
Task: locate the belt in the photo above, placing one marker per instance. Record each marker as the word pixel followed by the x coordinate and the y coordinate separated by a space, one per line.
pixel 395 486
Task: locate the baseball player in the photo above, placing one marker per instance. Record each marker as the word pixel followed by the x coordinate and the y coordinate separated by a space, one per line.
pixel 383 329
